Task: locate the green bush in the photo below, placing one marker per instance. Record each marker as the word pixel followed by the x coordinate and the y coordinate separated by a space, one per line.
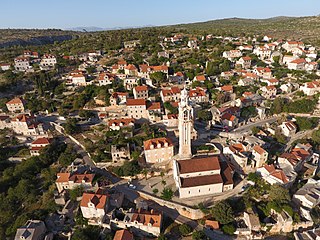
pixel 185 229
pixel 228 229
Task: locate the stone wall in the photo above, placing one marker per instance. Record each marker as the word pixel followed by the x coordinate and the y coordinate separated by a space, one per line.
pixel 183 210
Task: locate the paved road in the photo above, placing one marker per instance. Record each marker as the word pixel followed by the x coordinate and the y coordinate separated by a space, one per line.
pixel 297 136
pixel 248 127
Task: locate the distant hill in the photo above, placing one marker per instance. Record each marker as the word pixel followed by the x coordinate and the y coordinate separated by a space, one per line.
pixel 299 28
pixel 304 28
pixel 24 37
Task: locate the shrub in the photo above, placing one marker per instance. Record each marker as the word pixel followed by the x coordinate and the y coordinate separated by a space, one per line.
pixel 185 229
pixel 228 229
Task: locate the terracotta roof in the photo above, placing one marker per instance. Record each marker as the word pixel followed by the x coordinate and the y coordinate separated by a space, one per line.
pixel 23 118
pixel 237 147
pixel 123 235
pixel 98 200
pixel 199 164
pixel 280 175
pixel 131 67
pixel 117 94
pixel 197 92
pixel 63 177
pixel 200 78
pixel 42 140
pixel 273 80
pixel 147 218
pixel 246 58
pixel 141 88
pixel 227 88
pixel 300 153
pixel 290 125
pixel 298 61
pixel 180 74
pixel 154 142
pixel 36 148
pixel 136 102
pixel 144 68
pixel 228 116
pixel 79 178
pixel 259 149
pixel 154 106
pixel 122 62
pixel 201 180
pixel 159 68
pixel 270 168
pixel 15 101
pixel 170 91
pixel 123 121
pixel 212 224
pixel 226 173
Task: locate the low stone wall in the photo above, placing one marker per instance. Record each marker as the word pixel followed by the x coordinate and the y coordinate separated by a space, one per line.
pixel 303 225
pixel 185 211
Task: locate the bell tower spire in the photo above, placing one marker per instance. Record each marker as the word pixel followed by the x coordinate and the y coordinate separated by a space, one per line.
pixel 185 126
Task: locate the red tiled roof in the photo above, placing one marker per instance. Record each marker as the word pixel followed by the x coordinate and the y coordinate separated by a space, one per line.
pixel 141 88
pixel 162 141
pixel 147 218
pixel 201 180
pixel 136 102
pixel 124 121
pixel 227 88
pixel 212 224
pixel 154 106
pixel 42 140
pixel 298 61
pixel 79 178
pixel 200 78
pixel 131 67
pixel 259 149
pixel 228 116
pixel 199 164
pixel 15 101
pixel 123 235
pixel 98 200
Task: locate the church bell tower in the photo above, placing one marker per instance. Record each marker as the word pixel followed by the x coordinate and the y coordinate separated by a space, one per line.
pixel 185 126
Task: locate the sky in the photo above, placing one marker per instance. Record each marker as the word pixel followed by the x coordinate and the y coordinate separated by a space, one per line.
pixel 127 13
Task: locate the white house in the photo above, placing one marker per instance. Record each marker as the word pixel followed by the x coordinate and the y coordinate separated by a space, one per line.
pixel 137 108
pixel 297 64
pixel 272 175
pixel 310 88
pixel 288 128
pixel 158 150
pixel 260 156
pixel 140 92
pixel 94 206
pixel 308 196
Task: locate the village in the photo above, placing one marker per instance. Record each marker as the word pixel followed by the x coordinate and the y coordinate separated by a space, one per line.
pixel 223 147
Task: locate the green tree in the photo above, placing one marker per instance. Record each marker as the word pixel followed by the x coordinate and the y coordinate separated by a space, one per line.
pixel 167 193
pixel 223 212
pixel 158 77
pixel 279 194
pixel 205 115
pixel 71 126
pixel 199 235
pixel 316 136
pixel 185 229
pixel 228 229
